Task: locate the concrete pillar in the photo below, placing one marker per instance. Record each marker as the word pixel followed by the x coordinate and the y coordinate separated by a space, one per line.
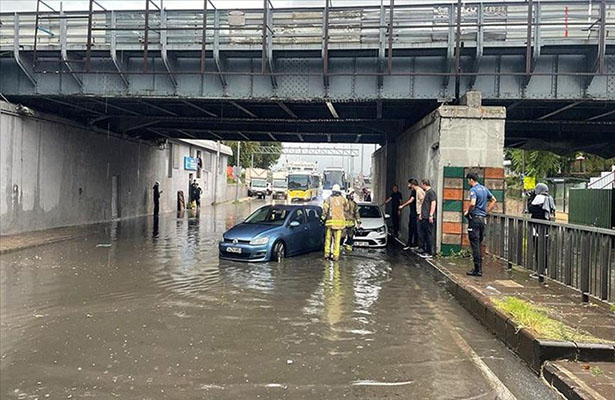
pixel 466 135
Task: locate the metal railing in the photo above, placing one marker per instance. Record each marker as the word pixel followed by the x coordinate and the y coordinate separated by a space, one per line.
pixel 578 256
pixel 383 27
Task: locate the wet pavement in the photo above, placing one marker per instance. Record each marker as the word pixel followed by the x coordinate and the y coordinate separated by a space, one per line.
pixel 147 311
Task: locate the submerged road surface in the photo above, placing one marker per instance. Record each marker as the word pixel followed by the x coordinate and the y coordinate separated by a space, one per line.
pixel 146 311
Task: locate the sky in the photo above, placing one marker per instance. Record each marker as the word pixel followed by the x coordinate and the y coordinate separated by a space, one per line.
pixel 324 161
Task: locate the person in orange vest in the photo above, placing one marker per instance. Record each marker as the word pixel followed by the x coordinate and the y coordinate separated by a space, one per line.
pixel 333 216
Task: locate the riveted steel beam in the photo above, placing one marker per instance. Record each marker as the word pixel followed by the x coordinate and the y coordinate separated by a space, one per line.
pixel 201 109
pixel 163 48
pixel 216 52
pixel 113 50
pixel 17 56
pixel 64 51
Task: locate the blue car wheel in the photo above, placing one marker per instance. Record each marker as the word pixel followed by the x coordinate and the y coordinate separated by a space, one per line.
pixel 279 251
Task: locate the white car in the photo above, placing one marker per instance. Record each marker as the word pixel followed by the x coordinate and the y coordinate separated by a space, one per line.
pixel 373 231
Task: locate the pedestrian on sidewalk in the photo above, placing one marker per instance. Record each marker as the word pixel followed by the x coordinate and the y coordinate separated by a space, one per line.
pixel 481 204
pixel 157 193
pixel 427 219
pixel 541 206
pixel 395 200
pixel 413 231
pixel 197 195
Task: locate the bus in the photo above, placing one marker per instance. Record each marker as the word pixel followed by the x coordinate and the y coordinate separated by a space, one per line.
pixel 315 185
pixel 332 176
pixel 301 187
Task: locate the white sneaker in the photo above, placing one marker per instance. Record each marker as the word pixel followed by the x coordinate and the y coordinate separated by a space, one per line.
pixel 425 255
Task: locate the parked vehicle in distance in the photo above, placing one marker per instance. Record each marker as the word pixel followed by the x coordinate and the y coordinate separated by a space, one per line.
pixel 279 188
pixel 274 232
pixel 373 231
pixel 258 188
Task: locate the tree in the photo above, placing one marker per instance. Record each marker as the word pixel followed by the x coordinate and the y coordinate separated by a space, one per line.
pixel 542 164
pixel 537 163
pixel 248 150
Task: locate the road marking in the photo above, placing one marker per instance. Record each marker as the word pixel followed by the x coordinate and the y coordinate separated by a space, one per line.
pixel 376 383
pixel 501 390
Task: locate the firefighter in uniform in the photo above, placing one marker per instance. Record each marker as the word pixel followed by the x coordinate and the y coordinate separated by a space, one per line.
pixel 333 211
pixel 353 220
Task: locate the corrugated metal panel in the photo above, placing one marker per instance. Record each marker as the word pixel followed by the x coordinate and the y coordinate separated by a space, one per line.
pixel 592 207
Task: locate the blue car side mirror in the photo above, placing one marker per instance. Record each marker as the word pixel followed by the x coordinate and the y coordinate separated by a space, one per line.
pixel 294 224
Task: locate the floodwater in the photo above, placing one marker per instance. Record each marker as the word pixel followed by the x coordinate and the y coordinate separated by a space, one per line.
pixel 147 311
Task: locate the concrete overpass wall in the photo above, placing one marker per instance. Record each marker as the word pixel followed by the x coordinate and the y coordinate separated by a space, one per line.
pixel 55 173
pixel 465 136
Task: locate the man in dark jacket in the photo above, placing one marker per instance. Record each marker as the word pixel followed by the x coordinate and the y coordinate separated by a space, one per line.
pixel 157 193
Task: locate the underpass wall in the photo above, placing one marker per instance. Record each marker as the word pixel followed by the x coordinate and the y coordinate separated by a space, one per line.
pixel 54 172
pixel 464 136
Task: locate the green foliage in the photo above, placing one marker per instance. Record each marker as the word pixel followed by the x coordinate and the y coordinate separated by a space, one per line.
pixel 536 162
pixel 514 187
pixel 542 164
pixel 596 371
pixel 537 319
pixel 264 161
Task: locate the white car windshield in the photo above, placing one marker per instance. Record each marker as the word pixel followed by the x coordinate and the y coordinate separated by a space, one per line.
pixel 259 183
pixel 370 212
pixel 279 183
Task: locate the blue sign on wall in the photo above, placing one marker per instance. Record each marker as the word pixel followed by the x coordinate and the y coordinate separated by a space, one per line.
pixel 191 163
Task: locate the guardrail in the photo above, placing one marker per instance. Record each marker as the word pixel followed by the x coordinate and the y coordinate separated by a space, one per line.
pixel 578 256
pixel 530 24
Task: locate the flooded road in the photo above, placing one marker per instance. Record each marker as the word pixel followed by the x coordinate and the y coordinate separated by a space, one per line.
pixel 147 311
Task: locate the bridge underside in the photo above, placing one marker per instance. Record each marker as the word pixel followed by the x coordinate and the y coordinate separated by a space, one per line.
pixel 562 126
pixel 361 74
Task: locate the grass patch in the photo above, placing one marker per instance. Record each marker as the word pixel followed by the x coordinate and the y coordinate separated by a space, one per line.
pixel 537 319
pixel 595 371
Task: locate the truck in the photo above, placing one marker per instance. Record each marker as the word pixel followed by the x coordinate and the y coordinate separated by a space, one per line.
pixel 258 186
pixel 280 185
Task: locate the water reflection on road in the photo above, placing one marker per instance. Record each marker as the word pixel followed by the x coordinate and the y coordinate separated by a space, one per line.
pixel 146 310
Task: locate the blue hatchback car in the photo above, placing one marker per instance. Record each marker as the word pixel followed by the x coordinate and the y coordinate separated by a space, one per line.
pixel 273 232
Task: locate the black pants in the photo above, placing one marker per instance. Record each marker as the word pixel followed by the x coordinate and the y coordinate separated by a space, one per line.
pixel 426 235
pixel 156 207
pixel 349 232
pixel 476 234
pixel 413 230
pixel 395 220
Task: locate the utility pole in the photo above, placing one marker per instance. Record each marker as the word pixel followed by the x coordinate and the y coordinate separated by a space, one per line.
pixel 217 172
pixel 362 151
pixel 238 172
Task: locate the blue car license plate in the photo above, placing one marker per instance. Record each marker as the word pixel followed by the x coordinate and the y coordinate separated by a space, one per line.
pixel 236 250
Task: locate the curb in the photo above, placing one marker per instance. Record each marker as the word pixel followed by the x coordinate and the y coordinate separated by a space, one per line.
pixel 565 385
pixel 535 352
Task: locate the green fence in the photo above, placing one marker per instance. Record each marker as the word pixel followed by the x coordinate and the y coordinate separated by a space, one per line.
pixel 594 207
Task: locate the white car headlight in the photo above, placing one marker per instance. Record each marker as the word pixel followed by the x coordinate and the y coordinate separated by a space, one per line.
pixel 257 241
pixel 382 229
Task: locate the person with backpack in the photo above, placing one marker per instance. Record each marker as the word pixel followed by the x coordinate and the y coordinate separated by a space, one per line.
pixel 541 206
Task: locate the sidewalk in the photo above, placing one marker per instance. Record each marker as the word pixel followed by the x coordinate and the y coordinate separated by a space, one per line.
pixel 37 238
pixel 581 365
pixel 577 380
pixel 564 303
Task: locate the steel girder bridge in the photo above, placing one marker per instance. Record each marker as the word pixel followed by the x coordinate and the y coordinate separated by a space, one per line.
pixel 321 73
